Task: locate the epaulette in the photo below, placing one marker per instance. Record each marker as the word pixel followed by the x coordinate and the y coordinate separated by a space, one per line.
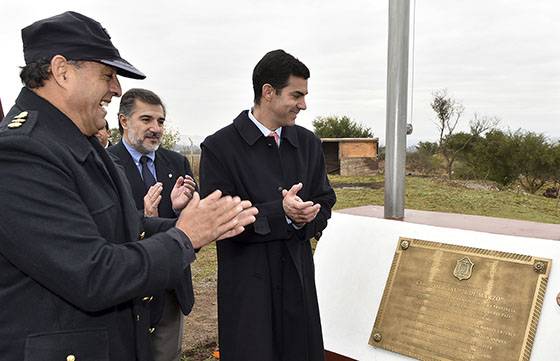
pixel 21 123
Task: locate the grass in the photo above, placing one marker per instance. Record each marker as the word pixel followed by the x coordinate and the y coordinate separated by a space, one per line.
pixel 205 272
pixel 436 194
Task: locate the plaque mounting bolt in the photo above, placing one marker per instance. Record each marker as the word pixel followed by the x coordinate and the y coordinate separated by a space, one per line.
pixel 404 245
pixel 558 299
pixel 539 267
pixel 377 336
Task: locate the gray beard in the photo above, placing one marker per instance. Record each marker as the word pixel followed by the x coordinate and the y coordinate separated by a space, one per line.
pixel 139 146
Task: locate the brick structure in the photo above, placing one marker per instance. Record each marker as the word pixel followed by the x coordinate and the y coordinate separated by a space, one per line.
pixel 351 156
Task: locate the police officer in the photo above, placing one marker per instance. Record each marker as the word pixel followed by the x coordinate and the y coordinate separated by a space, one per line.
pixel 75 280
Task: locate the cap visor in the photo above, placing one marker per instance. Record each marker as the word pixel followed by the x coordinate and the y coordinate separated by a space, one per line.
pixel 124 68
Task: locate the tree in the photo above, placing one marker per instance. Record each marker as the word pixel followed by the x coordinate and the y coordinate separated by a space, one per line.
pixel 428 148
pixel 422 158
pixel 521 156
pixel 536 160
pixel 555 171
pixel 170 138
pixel 339 127
pixel 492 158
pixel 114 135
pixel 448 112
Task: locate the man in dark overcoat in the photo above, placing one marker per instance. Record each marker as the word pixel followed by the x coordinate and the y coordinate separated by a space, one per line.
pixel 141 124
pixel 267 302
pixel 77 266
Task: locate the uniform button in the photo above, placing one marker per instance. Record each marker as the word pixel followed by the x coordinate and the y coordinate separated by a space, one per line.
pixel 70 358
pixel 142 235
pixel 279 189
pixel 151 329
pixel 137 317
pixel 148 298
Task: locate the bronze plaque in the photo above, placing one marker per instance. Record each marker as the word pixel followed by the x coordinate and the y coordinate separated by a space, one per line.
pixel 448 302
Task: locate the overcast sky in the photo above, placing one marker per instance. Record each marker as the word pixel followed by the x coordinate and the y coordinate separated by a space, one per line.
pixel 499 58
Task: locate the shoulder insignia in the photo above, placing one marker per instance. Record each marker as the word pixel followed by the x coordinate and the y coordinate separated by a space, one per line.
pixel 18 120
pixel 21 119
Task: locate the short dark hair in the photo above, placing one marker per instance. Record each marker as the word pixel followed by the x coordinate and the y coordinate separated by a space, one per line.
pixel 128 99
pixel 34 74
pixel 275 69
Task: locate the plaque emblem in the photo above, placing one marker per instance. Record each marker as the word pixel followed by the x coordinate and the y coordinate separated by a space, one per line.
pixel 463 269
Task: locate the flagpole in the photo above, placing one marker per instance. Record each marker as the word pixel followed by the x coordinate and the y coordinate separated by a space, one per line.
pixel 399 99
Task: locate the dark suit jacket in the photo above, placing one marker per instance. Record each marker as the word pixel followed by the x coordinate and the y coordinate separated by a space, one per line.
pixel 73 275
pixel 267 304
pixel 169 166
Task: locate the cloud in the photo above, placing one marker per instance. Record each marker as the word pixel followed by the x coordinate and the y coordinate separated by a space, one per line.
pixel 499 58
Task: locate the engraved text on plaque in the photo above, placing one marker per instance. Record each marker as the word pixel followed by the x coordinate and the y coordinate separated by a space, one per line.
pixel 448 302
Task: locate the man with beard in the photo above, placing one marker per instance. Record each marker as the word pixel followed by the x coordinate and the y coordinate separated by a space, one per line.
pixel 267 303
pixel 77 263
pixel 153 173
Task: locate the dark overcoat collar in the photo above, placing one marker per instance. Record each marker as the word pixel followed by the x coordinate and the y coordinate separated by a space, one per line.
pixel 58 121
pixel 250 133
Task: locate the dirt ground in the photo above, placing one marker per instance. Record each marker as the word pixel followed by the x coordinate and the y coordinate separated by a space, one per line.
pixel 200 332
pixel 201 325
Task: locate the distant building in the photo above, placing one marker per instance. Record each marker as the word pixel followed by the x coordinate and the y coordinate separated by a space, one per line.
pixel 351 156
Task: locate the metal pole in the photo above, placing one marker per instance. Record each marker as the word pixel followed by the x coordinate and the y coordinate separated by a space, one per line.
pixel 398 99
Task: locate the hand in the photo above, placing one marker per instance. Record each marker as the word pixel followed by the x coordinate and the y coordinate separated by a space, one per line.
pixel 245 217
pixel 152 199
pixel 296 209
pixel 215 217
pixel 182 192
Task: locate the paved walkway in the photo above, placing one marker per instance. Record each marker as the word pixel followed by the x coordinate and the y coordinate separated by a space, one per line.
pixel 462 221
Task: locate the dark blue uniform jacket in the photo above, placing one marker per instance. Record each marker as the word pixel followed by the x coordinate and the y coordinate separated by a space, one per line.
pixel 74 277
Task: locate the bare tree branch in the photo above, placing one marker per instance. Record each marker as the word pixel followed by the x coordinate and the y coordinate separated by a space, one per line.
pixel 448 113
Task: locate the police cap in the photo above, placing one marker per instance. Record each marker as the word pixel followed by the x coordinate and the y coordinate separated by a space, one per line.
pixel 76 37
